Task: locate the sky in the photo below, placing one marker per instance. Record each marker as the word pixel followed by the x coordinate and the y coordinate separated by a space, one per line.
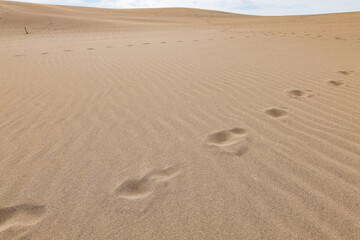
pixel 253 7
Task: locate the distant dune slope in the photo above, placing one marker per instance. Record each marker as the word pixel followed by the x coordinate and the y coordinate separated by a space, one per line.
pixel 53 18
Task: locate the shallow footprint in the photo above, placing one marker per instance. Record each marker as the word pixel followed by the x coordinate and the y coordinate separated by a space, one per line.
pixel 297 93
pixel 135 188
pixel 335 83
pixel 90 49
pixel 143 187
pixel 346 72
pixel 21 215
pixel 225 137
pixel 233 141
pixel 276 112
pixel 164 174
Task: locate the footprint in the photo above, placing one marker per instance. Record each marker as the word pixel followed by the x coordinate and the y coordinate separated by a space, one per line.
pixel 276 112
pixel 21 215
pixel 179 41
pixel 139 188
pixel 335 83
pixel 90 49
pixel 135 188
pixel 346 72
pixel 233 141
pixel 163 42
pixel 44 53
pixel 146 43
pixel 195 40
pixel 161 175
pixel 296 93
pixel 130 45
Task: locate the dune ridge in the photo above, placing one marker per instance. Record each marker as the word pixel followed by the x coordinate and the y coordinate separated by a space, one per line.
pixel 178 124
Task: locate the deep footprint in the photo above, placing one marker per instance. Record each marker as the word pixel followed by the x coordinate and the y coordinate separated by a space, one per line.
pixel 21 215
pixel 276 112
pixel 233 141
pixel 143 187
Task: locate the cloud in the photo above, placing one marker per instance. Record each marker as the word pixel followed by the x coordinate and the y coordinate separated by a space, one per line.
pixel 257 7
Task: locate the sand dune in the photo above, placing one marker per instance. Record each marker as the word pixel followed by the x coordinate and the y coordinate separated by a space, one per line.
pixel 178 124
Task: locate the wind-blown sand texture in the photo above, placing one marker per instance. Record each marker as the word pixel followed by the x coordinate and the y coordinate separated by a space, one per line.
pixel 178 124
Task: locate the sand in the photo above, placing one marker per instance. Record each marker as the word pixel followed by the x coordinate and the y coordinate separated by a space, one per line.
pixel 178 124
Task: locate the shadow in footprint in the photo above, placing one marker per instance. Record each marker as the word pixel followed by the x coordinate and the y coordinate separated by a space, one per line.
pixel 233 141
pixel 90 49
pixel 163 42
pixel 276 112
pixel 138 188
pixel 146 43
pixel 21 215
pixel 44 53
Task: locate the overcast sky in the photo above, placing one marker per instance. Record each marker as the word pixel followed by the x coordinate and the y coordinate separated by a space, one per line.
pixel 256 7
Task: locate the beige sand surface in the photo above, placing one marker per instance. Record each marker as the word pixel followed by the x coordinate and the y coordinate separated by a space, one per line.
pixel 178 124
